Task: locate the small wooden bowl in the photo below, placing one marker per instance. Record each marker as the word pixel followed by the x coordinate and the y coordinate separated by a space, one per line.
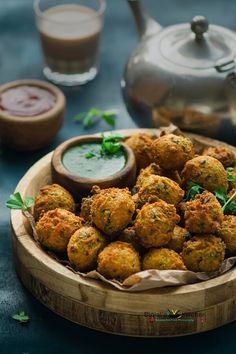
pixel 81 186
pixel 32 133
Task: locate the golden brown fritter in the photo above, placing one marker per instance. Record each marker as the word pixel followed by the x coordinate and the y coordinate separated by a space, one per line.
pixel 85 209
pixel 152 169
pixel 203 253
pixel 112 210
pixel 179 236
pixel 203 214
pixel 155 188
pixel 55 228
pixel 129 235
pixel 228 233
pixel 141 144
pixel 162 259
pixel 51 197
pixel 205 171
pixel 118 261
pixel 155 223
pixel 222 153
pixel 171 152
pixel 83 248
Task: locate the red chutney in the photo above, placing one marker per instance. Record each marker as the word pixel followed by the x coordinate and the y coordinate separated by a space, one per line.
pixel 26 101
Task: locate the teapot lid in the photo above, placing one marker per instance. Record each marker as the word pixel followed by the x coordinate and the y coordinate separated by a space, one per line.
pixel 202 48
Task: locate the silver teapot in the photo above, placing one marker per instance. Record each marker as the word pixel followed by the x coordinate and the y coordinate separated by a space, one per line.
pixel 183 74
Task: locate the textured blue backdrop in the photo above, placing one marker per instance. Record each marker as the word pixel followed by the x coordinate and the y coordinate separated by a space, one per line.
pixel 20 57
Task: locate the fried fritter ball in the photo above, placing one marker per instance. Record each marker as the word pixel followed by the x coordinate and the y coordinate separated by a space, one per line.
pixel 152 169
pixel 171 152
pixel 55 228
pixel 205 171
pixel 179 236
pixel 155 188
pixel 112 210
pixel 85 209
pixel 228 233
pixel 141 144
pixel 129 235
pixel 51 197
pixel 203 253
pixel 84 246
pixel 222 153
pixel 203 214
pixel 118 260
pixel 155 223
pixel 162 259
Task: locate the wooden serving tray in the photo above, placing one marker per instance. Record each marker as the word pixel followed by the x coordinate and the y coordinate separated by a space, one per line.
pixel 91 303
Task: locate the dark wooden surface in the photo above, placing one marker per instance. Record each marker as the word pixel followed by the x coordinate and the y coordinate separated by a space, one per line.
pixel 20 57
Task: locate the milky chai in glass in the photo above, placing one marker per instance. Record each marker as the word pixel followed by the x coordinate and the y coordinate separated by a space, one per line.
pixel 70 38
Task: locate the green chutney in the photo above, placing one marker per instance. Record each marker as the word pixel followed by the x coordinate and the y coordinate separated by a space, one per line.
pixel 86 160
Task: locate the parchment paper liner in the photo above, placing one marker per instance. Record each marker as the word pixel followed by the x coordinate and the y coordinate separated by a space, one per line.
pixel 148 279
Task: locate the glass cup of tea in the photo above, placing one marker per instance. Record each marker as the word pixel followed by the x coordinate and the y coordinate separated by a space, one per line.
pixel 70 33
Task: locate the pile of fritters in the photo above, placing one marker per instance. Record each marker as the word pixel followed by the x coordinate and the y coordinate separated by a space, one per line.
pixel 121 232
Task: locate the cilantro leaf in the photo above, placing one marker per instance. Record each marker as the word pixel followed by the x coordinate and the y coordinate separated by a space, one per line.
pixel 109 117
pixel 230 169
pixel 113 137
pixel 231 177
pixel 89 155
pixel 29 202
pixel 221 195
pixel 93 114
pixel 230 205
pixel 16 202
pixel 21 317
pixel 111 144
pixel 230 208
pixel 192 190
pixel 80 116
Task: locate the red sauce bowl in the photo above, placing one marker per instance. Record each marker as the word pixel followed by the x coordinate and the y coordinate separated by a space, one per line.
pixel 31 132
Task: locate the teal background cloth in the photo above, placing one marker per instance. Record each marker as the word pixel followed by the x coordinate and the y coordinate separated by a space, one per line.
pixel 20 57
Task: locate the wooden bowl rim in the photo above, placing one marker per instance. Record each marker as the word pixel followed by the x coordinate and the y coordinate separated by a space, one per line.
pixel 58 106
pixel 61 170
pixel 99 288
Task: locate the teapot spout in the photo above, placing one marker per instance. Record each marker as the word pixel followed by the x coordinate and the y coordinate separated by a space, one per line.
pixel 146 25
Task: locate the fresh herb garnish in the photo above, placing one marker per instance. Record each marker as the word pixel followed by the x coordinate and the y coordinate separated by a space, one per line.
pixel 111 144
pixel 231 177
pixel 221 195
pixel 90 155
pixel 21 317
pixel 94 114
pixel 16 202
pixel 230 208
pixel 230 205
pixel 192 190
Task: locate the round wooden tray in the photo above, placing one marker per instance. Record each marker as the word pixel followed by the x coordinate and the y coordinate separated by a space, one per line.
pixel 91 303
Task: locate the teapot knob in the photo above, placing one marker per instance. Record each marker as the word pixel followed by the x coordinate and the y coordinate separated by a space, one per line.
pixel 199 25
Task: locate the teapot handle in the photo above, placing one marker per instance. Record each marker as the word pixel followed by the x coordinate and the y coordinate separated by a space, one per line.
pixel 146 25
